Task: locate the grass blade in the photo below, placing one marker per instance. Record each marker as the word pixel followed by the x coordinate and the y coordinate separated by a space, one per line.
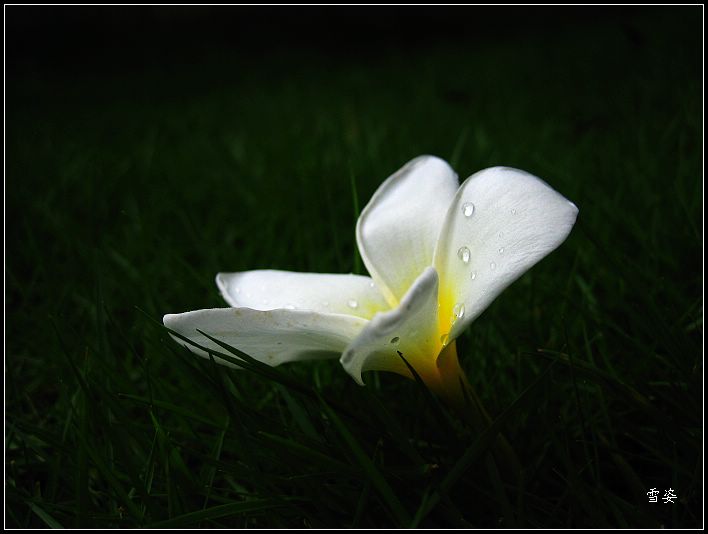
pixel 377 479
pixel 45 516
pixel 474 451
pixel 221 511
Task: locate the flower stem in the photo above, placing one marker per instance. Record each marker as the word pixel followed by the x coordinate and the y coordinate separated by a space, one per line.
pixel 456 391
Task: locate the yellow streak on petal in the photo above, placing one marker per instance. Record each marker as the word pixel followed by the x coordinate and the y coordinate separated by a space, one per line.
pixel 443 375
pixel 446 303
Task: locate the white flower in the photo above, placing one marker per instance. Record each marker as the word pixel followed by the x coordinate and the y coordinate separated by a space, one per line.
pixel 438 254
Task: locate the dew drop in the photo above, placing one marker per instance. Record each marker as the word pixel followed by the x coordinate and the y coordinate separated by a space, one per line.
pixel 395 340
pixel 492 266
pixel 467 209
pixel 372 285
pixel 459 310
pixel 501 250
pixel 464 254
pixel 353 304
pixel 473 275
pixel 513 211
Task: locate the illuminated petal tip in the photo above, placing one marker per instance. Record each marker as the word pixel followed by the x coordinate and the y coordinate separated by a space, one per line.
pixel 397 230
pixel 518 219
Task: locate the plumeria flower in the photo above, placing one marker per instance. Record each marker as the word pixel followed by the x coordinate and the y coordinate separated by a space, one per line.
pixel 438 254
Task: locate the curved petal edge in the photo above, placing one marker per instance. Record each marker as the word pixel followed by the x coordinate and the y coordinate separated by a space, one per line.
pixel 346 294
pixel 501 222
pixel 410 329
pixel 397 230
pixel 272 337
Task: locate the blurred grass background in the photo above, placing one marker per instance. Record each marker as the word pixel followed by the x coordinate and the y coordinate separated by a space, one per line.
pixel 148 149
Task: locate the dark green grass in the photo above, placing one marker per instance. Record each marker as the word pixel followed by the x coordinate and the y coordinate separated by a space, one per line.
pixel 128 192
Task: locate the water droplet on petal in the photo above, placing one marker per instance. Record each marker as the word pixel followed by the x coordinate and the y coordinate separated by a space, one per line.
pixel 464 254
pixel 467 209
pixel 473 275
pixel 395 340
pixel 513 211
pixel 492 266
pixel 353 304
pixel 459 310
pixel 501 250
pixel 372 285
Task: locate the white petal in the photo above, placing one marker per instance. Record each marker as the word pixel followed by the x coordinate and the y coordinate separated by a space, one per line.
pixel 398 228
pixel 272 337
pixel 516 220
pixel 411 329
pixel 347 294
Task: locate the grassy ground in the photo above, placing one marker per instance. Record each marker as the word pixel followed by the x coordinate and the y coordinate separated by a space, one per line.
pixel 127 190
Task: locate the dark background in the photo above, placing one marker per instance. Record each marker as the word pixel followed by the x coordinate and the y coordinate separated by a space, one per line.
pixel 135 36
